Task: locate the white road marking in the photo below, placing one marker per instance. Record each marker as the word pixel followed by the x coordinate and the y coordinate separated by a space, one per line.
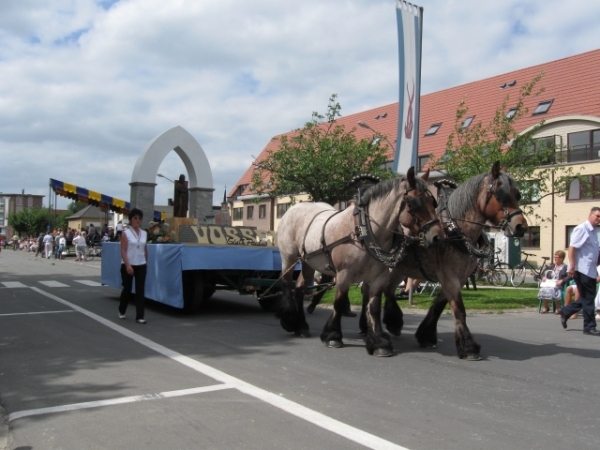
pixel 116 401
pixel 88 282
pixel 13 284
pixel 316 418
pixel 51 283
pixel 38 312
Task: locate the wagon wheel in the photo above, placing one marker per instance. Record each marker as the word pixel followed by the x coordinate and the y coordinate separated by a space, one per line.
pixel 194 291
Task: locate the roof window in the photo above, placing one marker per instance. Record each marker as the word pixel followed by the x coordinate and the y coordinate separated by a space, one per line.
pixel 511 112
pixel 467 122
pixel 433 129
pixel 543 107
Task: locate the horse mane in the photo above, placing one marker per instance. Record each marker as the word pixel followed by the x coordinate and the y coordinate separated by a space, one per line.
pixel 464 198
pixel 383 188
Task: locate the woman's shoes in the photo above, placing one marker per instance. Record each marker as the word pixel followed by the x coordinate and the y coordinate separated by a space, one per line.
pixel 544 311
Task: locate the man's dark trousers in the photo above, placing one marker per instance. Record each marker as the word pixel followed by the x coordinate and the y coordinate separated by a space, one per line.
pixel 587 294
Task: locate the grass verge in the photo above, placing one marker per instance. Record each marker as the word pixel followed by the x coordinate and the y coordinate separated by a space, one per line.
pixel 481 299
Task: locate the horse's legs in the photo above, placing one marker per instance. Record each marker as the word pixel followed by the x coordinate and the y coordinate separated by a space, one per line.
pixel 378 342
pixel 392 314
pixel 362 321
pixel 426 334
pixel 292 315
pixel 316 299
pixel 465 344
pixel 331 335
pixel 288 313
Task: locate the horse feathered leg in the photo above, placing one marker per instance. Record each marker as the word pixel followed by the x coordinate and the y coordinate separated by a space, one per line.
pixel 362 321
pixel 332 335
pixel 426 334
pixel 377 342
pixel 465 344
pixel 392 314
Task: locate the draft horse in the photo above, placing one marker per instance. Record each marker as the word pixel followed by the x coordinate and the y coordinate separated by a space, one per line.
pixel 483 199
pixel 358 243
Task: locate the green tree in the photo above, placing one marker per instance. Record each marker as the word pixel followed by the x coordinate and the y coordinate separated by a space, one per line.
pixel 75 207
pixel 533 163
pixel 319 160
pixel 31 221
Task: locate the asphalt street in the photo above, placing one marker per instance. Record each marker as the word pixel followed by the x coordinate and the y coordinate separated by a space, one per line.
pixel 73 375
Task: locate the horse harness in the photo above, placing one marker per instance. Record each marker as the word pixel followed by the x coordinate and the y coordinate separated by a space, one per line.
pixel 363 231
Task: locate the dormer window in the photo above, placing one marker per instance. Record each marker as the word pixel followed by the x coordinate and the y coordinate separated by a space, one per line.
pixel 543 107
pixel 511 113
pixel 433 129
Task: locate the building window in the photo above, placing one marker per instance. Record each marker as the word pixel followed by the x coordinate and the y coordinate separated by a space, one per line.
pixel 238 213
pixel 543 107
pixel 433 129
pixel 262 211
pixel 531 238
pixel 511 113
pixel 387 165
pixel 422 161
pixel 586 188
pixel 530 191
pixel 19 201
pixel 545 145
pixel 30 201
pixel 569 230
pixel 282 208
pixel 583 146
pixel 1 202
pixel 250 212
pixel 1 218
pixel 467 123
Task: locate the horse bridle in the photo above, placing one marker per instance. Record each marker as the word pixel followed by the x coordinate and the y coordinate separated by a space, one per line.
pixel 414 206
pixel 501 196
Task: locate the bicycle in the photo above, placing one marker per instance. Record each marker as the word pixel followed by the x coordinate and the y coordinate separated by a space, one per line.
pixel 494 275
pixel 93 251
pixel 519 272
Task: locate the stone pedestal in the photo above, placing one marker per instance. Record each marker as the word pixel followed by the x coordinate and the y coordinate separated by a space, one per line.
pixel 176 222
pixel 200 203
pixel 142 197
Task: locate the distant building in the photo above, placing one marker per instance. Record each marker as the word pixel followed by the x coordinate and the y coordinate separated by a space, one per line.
pixel 13 203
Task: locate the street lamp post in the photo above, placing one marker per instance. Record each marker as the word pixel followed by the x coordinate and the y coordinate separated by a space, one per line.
pixel 377 133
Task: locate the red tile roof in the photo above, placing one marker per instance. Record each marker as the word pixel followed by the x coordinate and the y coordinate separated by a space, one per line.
pixel 572 83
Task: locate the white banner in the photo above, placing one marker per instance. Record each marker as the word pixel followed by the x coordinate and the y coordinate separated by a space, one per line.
pixel 410 33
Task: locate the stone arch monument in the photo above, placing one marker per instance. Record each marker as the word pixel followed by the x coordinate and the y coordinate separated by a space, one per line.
pixel 143 178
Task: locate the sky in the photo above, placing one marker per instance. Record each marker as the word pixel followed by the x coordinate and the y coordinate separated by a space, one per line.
pixel 85 85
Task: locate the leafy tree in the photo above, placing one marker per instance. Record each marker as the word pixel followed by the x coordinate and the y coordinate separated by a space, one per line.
pixel 75 207
pixel 31 221
pixel 319 160
pixel 533 163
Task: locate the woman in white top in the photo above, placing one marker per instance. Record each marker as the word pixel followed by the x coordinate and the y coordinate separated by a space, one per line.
pixel 80 246
pixel 134 255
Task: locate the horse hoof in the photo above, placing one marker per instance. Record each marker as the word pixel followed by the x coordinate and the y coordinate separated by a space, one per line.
pixel 303 333
pixel 310 308
pixel 334 344
pixel 427 345
pixel 383 352
pixel 473 358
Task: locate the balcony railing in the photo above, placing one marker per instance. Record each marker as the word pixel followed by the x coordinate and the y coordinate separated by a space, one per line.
pixel 579 153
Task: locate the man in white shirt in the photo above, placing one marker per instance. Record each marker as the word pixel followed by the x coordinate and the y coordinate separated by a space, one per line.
pixel 583 258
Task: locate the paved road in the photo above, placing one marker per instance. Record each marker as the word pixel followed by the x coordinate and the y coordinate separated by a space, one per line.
pixel 72 376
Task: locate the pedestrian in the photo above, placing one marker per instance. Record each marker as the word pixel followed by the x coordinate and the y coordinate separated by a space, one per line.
pixel 119 230
pixel 48 244
pixel 134 256
pixel 583 258
pixel 80 246
pixel 62 246
pixel 40 245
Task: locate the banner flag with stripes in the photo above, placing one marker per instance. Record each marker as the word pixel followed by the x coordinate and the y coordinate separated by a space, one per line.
pixel 410 34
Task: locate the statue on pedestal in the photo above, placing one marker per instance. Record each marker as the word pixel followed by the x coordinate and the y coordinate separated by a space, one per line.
pixel 181 196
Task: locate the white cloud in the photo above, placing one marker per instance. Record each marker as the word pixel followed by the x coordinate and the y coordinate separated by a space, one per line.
pixel 87 84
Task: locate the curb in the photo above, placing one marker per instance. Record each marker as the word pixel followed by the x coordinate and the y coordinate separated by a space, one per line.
pixel 3 429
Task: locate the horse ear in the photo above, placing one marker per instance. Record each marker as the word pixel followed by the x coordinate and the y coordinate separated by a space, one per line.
pixel 410 176
pixel 496 170
pixel 425 176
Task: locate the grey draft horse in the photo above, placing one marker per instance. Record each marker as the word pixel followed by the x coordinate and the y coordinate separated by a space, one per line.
pixel 486 198
pixel 329 241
